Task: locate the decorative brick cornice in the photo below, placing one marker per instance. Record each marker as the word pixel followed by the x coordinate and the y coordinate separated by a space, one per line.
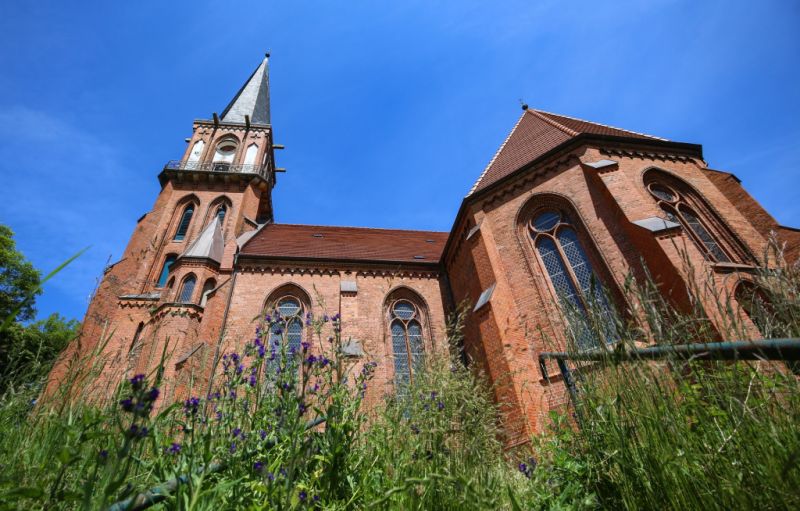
pixel 646 155
pixel 334 270
pixel 193 311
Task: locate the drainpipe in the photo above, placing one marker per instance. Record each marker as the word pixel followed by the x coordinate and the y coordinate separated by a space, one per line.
pixel 224 323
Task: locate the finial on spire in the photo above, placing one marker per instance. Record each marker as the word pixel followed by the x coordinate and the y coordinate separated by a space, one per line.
pixel 523 104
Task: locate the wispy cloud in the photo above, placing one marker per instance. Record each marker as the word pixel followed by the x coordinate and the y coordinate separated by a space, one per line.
pixel 62 184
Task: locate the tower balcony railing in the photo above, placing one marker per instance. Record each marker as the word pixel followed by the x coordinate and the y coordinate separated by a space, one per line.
pixel 218 166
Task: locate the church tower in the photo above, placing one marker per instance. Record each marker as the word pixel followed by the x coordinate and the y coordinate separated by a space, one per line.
pixel 166 296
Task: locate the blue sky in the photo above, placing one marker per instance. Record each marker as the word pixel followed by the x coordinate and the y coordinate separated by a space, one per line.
pixel 388 110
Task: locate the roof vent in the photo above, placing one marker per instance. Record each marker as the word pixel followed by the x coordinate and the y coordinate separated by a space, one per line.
pixel 419 257
pixel 317 235
pixel 428 241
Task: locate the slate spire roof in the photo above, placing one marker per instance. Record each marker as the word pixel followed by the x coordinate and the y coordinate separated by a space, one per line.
pixel 252 99
pixel 209 245
pixel 536 133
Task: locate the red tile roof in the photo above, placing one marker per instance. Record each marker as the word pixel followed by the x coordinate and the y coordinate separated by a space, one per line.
pixel 536 133
pixel 289 241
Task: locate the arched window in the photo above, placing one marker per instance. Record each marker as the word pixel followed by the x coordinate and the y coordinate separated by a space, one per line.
pixel 570 270
pixel 250 154
pixel 405 327
pixel 168 262
pixel 224 154
pixel 196 153
pixel 290 326
pixel 683 205
pixel 221 210
pixel 187 290
pixel 207 288
pixel 183 226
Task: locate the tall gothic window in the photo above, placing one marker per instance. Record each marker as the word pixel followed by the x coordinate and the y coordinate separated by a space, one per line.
pixel 168 262
pixel 183 226
pixel 290 326
pixel 221 212
pixel 683 205
pixel 187 290
pixel 570 270
pixel 405 327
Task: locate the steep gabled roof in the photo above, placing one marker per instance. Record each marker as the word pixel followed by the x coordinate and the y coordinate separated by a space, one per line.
pixel 312 242
pixel 209 245
pixel 536 133
pixel 252 99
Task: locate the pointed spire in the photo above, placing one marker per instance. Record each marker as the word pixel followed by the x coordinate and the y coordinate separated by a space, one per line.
pixel 252 99
pixel 209 245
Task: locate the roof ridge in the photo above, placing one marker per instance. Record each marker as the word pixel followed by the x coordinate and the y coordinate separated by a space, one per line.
pixel 545 114
pixel 540 114
pixel 496 154
pixel 358 227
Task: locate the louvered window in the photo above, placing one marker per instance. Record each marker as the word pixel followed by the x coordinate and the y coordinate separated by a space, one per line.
pixel 407 343
pixel 183 226
pixel 570 271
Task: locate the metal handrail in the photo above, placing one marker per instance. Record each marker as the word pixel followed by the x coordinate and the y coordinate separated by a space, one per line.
pixel 767 349
pixel 218 166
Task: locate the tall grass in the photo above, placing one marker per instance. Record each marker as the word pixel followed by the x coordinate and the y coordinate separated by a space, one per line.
pixel 285 429
pixel 690 434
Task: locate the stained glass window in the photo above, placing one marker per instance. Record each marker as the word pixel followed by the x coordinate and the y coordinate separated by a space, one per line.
pixel 187 290
pixel 570 272
pixel 407 341
pixel 676 206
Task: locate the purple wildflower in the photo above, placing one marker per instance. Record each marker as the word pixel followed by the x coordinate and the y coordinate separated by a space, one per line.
pixel 127 404
pixel 258 466
pixel 302 495
pixel 152 394
pixel 136 381
pixel 232 449
pixel 191 406
pixel 440 406
pixel 236 432
pixel 175 448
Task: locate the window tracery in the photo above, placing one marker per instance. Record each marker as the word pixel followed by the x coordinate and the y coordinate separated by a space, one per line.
pixel 405 327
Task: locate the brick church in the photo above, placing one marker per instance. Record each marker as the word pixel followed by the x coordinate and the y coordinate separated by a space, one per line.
pixel 562 204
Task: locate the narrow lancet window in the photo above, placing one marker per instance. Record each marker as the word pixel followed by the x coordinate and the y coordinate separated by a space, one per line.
pixel 183 226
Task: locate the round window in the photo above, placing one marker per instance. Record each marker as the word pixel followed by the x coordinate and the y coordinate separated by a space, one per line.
pixel 545 221
pixel 403 310
pixel 662 192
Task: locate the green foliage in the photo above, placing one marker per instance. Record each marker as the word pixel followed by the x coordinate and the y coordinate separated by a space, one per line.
pixel 285 429
pixel 27 352
pixel 688 434
pixel 19 280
